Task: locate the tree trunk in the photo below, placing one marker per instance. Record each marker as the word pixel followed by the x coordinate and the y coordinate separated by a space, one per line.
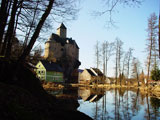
pixel 10 30
pixel 9 33
pixel 30 28
pixel 116 71
pixel 149 62
pixel 159 35
pixel 37 31
pixel 4 11
pixel 128 68
pixel 106 67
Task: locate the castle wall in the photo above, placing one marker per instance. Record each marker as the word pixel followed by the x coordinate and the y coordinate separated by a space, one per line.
pixel 46 52
pixel 53 50
pixel 72 51
pixel 56 49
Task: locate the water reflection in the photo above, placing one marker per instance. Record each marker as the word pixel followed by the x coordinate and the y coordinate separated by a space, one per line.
pixel 155 108
pixel 112 103
pixel 91 95
pixel 118 104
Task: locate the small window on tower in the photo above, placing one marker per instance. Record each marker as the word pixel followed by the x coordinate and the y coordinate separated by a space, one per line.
pixel 67 41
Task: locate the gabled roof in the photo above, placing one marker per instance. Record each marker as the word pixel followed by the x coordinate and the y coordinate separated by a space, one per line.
pixel 30 65
pixel 63 41
pixel 98 71
pixel 51 66
pixel 90 72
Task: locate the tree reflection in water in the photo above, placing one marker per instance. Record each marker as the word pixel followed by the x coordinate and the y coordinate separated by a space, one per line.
pixel 118 104
pixel 155 108
pixel 112 103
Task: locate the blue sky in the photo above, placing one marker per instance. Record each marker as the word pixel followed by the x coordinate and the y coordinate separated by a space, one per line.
pixel 131 28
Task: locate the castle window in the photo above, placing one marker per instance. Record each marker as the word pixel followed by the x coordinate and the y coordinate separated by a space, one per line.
pixel 67 41
pixel 62 49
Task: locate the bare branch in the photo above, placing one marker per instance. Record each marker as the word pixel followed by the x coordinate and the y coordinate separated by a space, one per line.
pixel 110 7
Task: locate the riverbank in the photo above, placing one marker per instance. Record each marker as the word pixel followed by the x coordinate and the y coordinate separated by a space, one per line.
pixel 23 97
pixel 150 90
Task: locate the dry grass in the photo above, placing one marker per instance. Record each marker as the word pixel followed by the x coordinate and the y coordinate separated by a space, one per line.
pixel 52 86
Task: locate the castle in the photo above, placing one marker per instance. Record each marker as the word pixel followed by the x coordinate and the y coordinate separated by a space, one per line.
pixel 58 45
pixel 63 50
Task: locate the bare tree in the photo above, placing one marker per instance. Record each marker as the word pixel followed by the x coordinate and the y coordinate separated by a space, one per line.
pixel 119 53
pixel 159 34
pixel 136 69
pixel 116 66
pixel 104 57
pixel 151 42
pixel 110 7
pixel 37 31
pixel 4 12
pixel 124 62
pixel 97 54
pixel 129 57
pixel 109 51
pixel 9 35
pixel 28 18
pixel 62 10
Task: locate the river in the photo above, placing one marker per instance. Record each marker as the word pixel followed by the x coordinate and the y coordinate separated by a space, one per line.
pixel 115 103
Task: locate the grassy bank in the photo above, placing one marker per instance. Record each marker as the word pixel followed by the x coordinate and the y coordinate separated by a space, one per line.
pixel 151 90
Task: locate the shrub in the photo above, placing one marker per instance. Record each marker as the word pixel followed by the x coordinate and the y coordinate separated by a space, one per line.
pixel 155 73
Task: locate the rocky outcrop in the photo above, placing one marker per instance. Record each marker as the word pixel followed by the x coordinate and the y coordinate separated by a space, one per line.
pixel 23 97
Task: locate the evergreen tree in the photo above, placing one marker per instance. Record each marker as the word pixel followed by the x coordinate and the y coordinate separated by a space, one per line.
pixel 152 43
pixel 155 73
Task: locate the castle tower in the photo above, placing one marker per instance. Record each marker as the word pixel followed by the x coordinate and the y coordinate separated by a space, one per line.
pixel 62 31
pixel 47 47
